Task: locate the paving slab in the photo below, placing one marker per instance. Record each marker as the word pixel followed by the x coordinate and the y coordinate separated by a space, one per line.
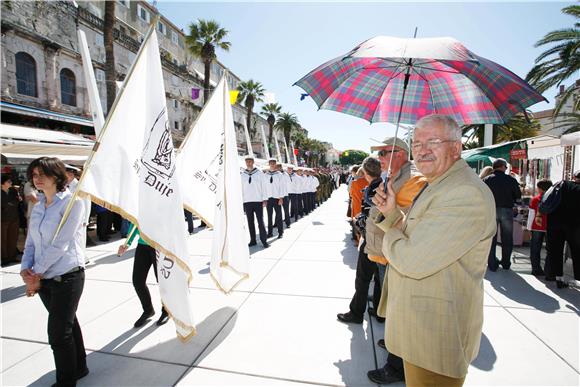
pixel 510 355
pixel 105 370
pixel 113 332
pixel 259 268
pixel 513 289
pixel 297 338
pixel 206 377
pixel 26 317
pixel 309 278
pixel 549 328
pixel 323 251
pixel 15 351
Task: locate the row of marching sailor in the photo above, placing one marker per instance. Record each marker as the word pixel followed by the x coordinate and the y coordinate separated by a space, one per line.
pixel 276 190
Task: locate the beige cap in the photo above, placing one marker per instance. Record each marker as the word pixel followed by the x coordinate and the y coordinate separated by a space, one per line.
pixel 398 142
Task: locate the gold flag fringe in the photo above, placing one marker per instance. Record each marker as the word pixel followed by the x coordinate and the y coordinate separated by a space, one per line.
pixel 188 208
pixel 156 246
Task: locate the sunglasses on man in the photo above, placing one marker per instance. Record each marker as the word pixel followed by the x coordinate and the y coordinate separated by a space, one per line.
pixel 386 152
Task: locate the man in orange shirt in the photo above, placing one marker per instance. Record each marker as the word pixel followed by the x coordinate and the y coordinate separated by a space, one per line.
pixel 356 196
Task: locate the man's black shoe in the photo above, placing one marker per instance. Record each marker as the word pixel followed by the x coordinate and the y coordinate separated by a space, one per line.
pixel 561 284
pixel 280 236
pixel 349 318
pixel 550 278
pixel 538 273
pixel 270 235
pixel 83 373
pixel 143 319
pixel 266 245
pixel 381 343
pixel 506 267
pixel 492 268
pixel 252 244
pixel 163 318
pixel 380 376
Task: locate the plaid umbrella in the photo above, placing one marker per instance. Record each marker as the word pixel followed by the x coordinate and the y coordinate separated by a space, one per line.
pixel 387 79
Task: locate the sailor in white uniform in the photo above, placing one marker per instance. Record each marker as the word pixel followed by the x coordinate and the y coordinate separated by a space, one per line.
pixel 277 191
pixel 255 195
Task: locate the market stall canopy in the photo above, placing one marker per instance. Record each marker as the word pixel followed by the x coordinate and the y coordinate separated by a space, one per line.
pixel 22 144
pixel 486 154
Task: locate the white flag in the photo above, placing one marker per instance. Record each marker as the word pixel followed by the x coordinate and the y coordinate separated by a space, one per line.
pixel 230 254
pixel 92 89
pixel 134 173
pixel 198 159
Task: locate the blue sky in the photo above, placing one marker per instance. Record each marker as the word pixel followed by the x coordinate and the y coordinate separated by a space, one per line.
pixel 278 43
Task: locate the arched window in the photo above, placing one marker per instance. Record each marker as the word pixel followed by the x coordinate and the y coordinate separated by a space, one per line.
pixel 26 75
pixel 68 88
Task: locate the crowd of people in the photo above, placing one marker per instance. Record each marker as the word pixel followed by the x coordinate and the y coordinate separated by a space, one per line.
pixel 425 231
pixel 427 240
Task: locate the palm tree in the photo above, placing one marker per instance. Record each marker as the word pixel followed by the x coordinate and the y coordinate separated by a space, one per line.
pixel 204 36
pixel 517 128
pixel 287 123
pixel 269 111
pixel 110 74
pixel 561 60
pixel 250 92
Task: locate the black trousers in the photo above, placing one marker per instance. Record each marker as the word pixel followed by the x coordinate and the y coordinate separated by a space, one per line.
pixel 61 300
pixel 286 206
pixel 189 219
pixel 103 224
pixel 273 205
pixel 251 209
pixel 556 236
pixel 365 270
pixel 145 257
pixel 304 200
pixel 394 365
pixel 294 210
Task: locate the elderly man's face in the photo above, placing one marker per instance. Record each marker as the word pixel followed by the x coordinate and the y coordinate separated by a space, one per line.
pixel 433 151
pixel 399 157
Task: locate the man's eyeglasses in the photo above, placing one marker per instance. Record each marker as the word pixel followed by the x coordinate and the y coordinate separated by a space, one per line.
pixel 430 144
pixel 386 152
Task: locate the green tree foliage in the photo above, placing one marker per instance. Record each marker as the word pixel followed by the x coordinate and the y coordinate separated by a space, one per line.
pixel 204 36
pixel 351 157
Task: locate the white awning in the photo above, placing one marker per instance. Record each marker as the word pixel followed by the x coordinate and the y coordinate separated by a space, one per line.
pixel 21 143
pixel 570 139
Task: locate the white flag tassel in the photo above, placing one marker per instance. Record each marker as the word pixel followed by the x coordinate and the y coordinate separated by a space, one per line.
pixel 230 254
pixel 92 89
pixel 133 173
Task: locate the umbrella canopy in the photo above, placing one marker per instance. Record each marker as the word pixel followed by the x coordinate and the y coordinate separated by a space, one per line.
pixel 386 77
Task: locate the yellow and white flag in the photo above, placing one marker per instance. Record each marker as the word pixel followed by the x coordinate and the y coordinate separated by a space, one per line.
pixel 213 189
pixel 133 172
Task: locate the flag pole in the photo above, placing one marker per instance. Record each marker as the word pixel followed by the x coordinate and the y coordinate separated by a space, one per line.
pixel 104 128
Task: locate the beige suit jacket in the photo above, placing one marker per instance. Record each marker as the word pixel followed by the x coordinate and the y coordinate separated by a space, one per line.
pixel 434 303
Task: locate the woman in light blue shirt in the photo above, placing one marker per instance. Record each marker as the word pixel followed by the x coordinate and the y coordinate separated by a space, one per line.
pixel 55 269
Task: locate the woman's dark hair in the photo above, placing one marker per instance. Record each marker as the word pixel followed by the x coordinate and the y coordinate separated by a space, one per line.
pixel 544 184
pixel 51 167
pixel 5 178
pixel 372 166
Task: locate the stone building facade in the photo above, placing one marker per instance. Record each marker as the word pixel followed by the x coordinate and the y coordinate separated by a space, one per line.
pixel 42 67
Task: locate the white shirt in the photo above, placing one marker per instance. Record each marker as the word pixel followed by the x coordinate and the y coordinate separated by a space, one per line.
pixel 295 183
pixel 253 186
pixel 287 182
pixel 276 184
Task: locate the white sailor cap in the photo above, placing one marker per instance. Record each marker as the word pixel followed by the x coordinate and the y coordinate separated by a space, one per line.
pixel 272 159
pixel 71 168
pixel 249 157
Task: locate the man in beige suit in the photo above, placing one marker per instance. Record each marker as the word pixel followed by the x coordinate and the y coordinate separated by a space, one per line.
pixel 438 254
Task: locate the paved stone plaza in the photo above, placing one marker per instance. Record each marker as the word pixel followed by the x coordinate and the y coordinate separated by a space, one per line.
pixel 279 327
